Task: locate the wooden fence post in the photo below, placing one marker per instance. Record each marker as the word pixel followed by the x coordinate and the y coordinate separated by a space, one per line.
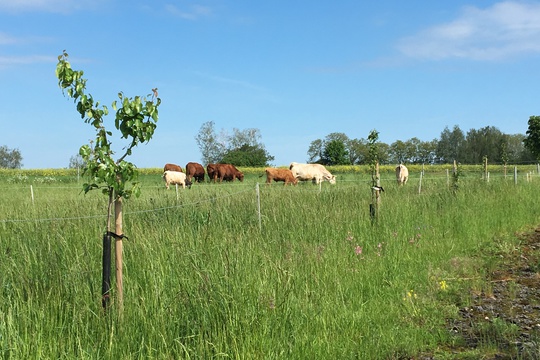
pixel 258 205
pixel 486 168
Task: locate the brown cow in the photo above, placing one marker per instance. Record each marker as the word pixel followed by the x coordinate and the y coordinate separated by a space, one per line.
pixel 284 175
pixel 227 172
pixel 195 170
pixel 172 167
pixel 211 171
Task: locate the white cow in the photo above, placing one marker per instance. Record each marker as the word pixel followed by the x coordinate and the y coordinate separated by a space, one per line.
pixel 175 178
pixel 402 174
pixel 315 172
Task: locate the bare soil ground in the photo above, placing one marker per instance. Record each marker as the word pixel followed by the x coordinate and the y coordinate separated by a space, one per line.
pixel 504 322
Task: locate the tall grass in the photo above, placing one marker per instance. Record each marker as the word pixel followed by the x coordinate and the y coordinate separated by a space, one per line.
pixel 318 279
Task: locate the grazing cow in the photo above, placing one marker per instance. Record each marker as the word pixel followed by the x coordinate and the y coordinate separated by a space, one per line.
pixel 314 172
pixel 284 175
pixel 195 170
pixel 227 172
pixel 211 171
pixel 402 174
pixel 172 167
pixel 175 178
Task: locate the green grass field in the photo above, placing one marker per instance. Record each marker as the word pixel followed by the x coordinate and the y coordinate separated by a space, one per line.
pixel 205 277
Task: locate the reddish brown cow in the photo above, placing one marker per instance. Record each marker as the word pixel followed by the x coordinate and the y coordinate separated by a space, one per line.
pixel 227 172
pixel 211 171
pixel 195 170
pixel 284 175
pixel 172 167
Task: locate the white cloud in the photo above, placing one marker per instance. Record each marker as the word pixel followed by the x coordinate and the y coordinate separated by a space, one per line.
pixel 504 30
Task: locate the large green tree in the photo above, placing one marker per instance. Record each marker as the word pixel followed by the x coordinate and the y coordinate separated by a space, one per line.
pixel 450 145
pixel 242 148
pixel 358 151
pixel 399 153
pixel 333 150
pixel 487 141
pixel 335 153
pixel 10 158
pixel 247 155
pixel 532 141
pixel 426 152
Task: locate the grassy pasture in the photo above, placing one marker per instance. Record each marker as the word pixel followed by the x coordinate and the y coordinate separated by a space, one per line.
pixel 202 280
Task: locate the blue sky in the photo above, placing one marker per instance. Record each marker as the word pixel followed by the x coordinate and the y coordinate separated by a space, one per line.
pixel 295 70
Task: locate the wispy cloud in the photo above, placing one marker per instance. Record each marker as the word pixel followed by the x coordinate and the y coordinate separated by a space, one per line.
pixel 192 12
pixel 6 39
pixel 11 61
pixel 51 6
pixel 501 31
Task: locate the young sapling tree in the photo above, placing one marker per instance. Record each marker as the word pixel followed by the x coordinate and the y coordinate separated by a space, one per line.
pixel 136 120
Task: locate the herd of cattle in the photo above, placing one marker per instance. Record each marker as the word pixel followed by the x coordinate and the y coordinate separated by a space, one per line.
pixel 174 174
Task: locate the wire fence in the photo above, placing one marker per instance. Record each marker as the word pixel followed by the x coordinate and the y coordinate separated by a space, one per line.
pixel 387 178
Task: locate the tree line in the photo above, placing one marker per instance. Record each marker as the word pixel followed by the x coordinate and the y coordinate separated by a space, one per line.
pixel 453 144
pixel 245 148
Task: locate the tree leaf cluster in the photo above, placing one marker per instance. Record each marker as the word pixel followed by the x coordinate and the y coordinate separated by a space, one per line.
pixel 136 120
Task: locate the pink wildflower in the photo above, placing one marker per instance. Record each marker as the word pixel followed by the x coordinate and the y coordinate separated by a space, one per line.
pixel 358 250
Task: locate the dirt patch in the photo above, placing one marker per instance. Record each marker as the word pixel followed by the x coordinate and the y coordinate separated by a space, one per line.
pixel 504 321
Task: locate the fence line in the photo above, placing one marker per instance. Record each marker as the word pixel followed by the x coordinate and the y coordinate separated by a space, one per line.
pixel 126 213
pixel 513 175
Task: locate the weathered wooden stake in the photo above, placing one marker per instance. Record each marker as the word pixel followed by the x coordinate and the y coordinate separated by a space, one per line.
pixel 486 168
